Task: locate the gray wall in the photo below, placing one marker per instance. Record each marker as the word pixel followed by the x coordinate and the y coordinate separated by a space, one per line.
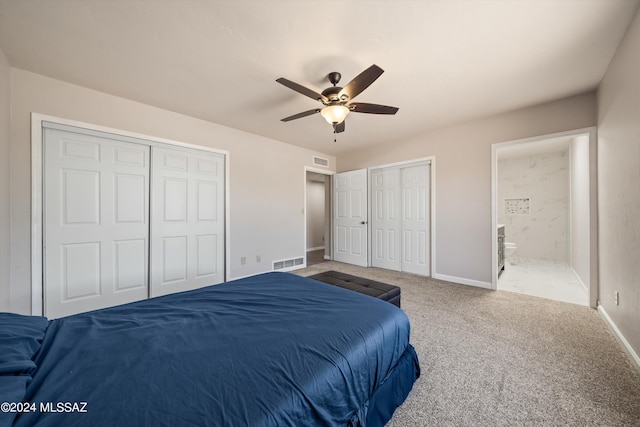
pixel 463 230
pixel 267 192
pixel 5 235
pixel 618 178
pixel 543 232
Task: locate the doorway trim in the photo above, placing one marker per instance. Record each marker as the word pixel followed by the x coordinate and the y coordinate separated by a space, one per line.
pixel 593 204
pixel 330 201
pixel 37 214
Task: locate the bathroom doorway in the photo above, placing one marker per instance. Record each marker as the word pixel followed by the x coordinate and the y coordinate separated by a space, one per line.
pixel 543 200
pixel 317 217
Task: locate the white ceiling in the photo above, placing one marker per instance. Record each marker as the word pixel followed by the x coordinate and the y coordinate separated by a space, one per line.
pixel 444 61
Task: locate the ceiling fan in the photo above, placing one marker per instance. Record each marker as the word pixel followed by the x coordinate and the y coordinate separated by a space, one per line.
pixel 336 100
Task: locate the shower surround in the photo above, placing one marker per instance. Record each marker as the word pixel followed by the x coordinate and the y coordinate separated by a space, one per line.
pixel 541 231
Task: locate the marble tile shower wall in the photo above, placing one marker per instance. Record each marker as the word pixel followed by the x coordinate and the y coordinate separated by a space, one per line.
pixel 543 232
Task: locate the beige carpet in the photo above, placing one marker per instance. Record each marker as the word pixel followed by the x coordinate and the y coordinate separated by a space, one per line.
pixel 496 358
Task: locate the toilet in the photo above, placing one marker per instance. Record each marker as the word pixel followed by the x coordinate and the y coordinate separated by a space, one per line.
pixel 509 249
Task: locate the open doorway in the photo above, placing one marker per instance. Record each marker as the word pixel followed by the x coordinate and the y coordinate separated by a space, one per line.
pixel 317 217
pixel 544 204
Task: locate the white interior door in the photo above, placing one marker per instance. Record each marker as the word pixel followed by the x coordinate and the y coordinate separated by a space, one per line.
pixel 187 220
pixel 416 220
pixel 385 219
pixel 350 217
pixel 95 222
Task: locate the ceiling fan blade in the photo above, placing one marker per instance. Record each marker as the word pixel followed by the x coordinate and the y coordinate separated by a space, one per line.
pixel 361 81
pixel 363 107
pixel 301 89
pixel 300 115
pixel 338 127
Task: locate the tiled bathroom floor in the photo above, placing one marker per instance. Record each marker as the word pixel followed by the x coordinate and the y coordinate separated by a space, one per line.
pixel 546 279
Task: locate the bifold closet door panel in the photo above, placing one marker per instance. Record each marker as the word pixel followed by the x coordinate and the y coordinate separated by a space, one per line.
pixel 415 224
pixel 187 220
pixel 400 218
pixel 385 219
pixel 96 226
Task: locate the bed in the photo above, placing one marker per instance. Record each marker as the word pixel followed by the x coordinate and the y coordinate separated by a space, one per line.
pixel 269 350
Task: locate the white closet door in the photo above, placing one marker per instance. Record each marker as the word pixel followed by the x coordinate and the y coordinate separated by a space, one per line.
pixel 187 220
pixel 385 218
pixel 415 220
pixel 350 217
pixel 96 222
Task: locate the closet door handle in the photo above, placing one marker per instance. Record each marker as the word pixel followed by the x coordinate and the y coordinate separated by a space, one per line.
pixel 363 222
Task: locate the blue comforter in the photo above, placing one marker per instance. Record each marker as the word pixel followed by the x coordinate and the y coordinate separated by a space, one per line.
pixel 269 350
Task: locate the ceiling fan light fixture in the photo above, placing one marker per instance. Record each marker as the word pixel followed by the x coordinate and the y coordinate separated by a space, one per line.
pixel 336 100
pixel 334 114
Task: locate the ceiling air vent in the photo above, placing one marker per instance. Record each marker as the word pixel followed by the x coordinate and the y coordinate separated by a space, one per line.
pixel 320 161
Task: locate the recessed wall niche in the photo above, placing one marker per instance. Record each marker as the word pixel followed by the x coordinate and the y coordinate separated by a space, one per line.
pixel 516 206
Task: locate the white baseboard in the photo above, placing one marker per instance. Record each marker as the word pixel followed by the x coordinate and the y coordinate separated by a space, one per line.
pixel 327 257
pixel 317 248
pixel 463 281
pixel 625 344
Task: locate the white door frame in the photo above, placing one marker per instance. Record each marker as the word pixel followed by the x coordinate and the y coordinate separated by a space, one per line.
pixel 37 194
pixel 431 161
pixel 330 201
pixel 593 202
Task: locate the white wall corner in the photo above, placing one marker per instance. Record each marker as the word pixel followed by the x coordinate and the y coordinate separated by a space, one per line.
pixel 635 359
pixel 584 286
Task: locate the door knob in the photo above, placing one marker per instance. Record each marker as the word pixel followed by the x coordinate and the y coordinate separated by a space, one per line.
pixel 363 222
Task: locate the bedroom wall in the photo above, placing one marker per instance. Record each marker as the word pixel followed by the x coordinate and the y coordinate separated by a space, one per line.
pixel 5 227
pixel 266 176
pixel 618 195
pixel 463 176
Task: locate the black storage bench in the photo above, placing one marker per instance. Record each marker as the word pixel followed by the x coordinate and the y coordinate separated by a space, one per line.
pixel 380 290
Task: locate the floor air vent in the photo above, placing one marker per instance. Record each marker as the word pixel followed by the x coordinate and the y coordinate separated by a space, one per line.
pixel 320 161
pixel 288 264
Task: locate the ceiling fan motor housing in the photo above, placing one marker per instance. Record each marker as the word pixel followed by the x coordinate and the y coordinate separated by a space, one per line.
pixel 332 94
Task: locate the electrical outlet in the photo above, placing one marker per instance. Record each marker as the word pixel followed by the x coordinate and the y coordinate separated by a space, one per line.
pixel 616 295
pixel 258 258
pixel 243 260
